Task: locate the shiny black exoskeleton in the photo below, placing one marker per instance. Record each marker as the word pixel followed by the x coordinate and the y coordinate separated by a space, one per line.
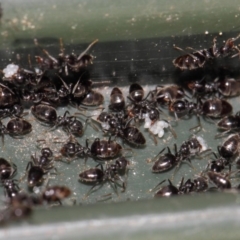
pixel 15 110
pixel 198 184
pixel 117 125
pixel 72 148
pixel 219 179
pixel 105 149
pixel 229 123
pixel 70 124
pixel 167 191
pixel 18 127
pixel 141 107
pixel 111 173
pixel 23 77
pixel 228 87
pixel 197 59
pixel 230 146
pixel 166 161
pixel 93 98
pixel 7 97
pixel 11 188
pixel 215 108
pixel 39 166
pixel 166 94
pixel 64 62
pixel 117 101
pixel 7 170
pixel 44 113
pixel 194 146
pixel 219 164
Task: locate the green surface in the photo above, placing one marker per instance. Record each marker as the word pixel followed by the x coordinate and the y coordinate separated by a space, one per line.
pixel 83 21
pixel 132 214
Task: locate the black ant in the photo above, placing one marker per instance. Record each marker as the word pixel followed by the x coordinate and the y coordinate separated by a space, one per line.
pixel 117 101
pixel 219 164
pixel 56 194
pixel 44 113
pixel 18 126
pixel 228 87
pixel 215 108
pixel 166 161
pixel 111 173
pixel 198 58
pixel 15 110
pixel 72 149
pixel 166 191
pixel 118 125
pixel 40 166
pixel 168 93
pixel 230 146
pixel 65 62
pixel 104 149
pixel 194 146
pixel 92 99
pixel 219 179
pixel 229 123
pixel 7 97
pixel 198 184
pixel 70 124
pixel 7 170
pixel 20 77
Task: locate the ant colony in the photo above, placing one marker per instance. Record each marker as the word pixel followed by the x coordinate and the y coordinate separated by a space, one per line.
pixel 83 139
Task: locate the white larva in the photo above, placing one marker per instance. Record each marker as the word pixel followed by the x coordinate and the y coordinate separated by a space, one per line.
pixel 10 70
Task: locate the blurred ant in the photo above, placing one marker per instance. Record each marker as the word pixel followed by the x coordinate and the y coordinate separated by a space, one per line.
pixel 7 170
pixel 65 62
pixel 56 194
pixel 198 58
pixel 20 77
pixel 7 97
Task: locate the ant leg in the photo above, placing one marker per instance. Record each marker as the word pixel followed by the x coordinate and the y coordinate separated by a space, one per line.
pixel 199 126
pixel 223 134
pixel 87 49
pixel 93 189
pixel 154 137
pixel 154 189
pixel 104 197
pixel 154 159
pixel 29 165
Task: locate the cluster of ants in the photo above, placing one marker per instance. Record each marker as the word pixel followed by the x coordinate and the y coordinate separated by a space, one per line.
pixel 65 80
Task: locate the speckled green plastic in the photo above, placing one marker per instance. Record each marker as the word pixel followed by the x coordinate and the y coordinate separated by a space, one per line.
pixel 135 44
